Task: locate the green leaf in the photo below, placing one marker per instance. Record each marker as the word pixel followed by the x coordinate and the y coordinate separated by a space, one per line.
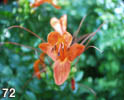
pixel 79 76
pixel 30 96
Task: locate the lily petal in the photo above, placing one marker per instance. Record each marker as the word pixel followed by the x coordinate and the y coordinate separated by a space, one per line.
pixel 75 50
pixel 59 25
pixel 42 58
pixel 55 23
pixel 63 22
pixel 68 39
pixel 47 48
pixel 61 71
pixel 36 68
pixel 53 37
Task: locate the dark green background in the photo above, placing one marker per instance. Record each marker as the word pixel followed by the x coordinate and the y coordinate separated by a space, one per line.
pixel 104 73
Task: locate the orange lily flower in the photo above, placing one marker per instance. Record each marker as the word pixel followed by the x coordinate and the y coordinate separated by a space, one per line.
pixel 39 2
pixel 59 48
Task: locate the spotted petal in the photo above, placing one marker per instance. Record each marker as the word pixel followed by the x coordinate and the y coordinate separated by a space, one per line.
pixel 47 48
pixel 75 50
pixel 53 38
pixel 68 39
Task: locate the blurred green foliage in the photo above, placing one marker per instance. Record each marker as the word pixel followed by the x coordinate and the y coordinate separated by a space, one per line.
pixel 104 73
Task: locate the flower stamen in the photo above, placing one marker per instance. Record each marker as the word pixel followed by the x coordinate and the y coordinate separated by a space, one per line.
pixel 16 26
pixel 94 48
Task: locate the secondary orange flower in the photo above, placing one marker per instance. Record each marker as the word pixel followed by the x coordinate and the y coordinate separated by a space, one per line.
pixel 37 63
pixel 5 1
pixel 59 48
pixel 39 2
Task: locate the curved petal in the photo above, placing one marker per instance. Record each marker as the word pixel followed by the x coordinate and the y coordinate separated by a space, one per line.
pixel 44 47
pixel 68 39
pixel 53 37
pixel 48 49
pixel 55 23
pixel 42 58
pixel 36 68
pixel 61 71
pixel 59 25
pixel 75 50
pixel 63 22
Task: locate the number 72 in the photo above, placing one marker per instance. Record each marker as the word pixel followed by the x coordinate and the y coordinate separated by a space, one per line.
pixel 11 92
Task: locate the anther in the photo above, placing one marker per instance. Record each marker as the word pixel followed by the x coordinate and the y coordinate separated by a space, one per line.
pixel 58 53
